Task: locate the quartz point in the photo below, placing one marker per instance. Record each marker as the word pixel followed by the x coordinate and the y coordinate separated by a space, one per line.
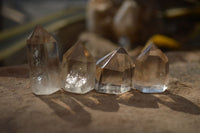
pixel 151 70
pixel 43 58
pixel 114 72
pixel 78 70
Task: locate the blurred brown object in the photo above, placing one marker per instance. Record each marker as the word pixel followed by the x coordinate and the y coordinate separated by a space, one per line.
pixel 127 23
pixel 135 21
pixel 97 45
pixel 100 15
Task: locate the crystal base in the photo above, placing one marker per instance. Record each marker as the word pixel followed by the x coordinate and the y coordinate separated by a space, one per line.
pixel 111 89
pixel 78 90
pixel 151 89
pixel 45 91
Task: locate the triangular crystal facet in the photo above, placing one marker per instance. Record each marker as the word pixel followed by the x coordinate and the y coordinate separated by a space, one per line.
pixel 114 72
pixel 151 70
pixel 79 52
pixel 78 69
pixel 40 36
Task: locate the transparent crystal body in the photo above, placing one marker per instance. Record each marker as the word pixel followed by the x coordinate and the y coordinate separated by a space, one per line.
pixel 151 71
pixel 114 72
pixel 78 70
pixel 43 62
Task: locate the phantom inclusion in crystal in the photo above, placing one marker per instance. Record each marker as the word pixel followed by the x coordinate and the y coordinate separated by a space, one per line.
pixel 43 60
pixel 114 72
pixel 78 70
pixel 151 70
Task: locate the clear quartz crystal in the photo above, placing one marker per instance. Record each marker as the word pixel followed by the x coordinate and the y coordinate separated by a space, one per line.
pixel 78 70
pixel 114 72
pixel 151 70
pixel 43 60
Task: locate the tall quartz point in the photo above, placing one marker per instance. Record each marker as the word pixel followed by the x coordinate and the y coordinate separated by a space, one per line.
pixel 43 60
pixel 114 72
pixel 78 70
pixel 151 70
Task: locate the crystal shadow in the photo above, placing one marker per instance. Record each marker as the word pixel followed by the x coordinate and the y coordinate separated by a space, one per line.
pixel 98 101
pixel 138 99
pixel 172 101
pixel 181 104
pixel 67 109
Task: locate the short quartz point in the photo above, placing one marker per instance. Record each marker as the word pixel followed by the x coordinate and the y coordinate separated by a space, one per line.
pixel 151 70
pixel 114 72
pixel 78 70
pixel 43 60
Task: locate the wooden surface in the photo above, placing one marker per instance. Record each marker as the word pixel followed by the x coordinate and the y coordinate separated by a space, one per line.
pixel 175 111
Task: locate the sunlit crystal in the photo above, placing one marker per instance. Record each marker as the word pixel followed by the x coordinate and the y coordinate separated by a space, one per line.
pixel 114 72
pixel 78 70
pixel 43 60
pixel 151 70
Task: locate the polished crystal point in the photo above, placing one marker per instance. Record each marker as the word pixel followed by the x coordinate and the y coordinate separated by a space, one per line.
pixel 114 72
pixel 151 70
pixel 43 60
pixel 78 70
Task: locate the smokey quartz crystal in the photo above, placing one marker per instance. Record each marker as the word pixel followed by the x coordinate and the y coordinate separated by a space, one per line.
pixel 78 70
pixel 114 72
pixel 151 70
pixel 43 58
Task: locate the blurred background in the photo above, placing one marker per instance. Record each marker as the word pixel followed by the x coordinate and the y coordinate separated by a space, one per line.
pixel 17 12
pixel 19 17
pixel 172 25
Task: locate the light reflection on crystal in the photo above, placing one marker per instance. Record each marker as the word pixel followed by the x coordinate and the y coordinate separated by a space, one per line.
pixel 78 70
pixel 70 79
pixel 39 79
pixel 74 80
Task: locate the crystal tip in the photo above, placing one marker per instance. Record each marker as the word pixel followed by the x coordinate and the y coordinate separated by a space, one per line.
pixel 121 50
pixel 40 36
